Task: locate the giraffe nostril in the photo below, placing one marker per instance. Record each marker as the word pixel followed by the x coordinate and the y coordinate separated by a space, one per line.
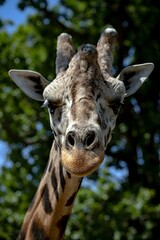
pixel 87 140
pixel 70 140
pixel 90 140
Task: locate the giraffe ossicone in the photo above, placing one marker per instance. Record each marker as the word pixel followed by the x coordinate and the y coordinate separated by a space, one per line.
pixel 110 30
pixel 83 103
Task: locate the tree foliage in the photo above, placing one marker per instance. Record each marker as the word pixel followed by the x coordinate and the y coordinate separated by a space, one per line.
pixel 122 199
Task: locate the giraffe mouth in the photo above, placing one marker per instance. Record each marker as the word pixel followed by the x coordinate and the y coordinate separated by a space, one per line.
pixel 80 162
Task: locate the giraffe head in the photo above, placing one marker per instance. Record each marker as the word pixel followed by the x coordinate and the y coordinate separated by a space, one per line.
pixel 84 99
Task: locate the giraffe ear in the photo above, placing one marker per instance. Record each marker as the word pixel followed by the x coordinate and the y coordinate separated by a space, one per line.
pixel 134 76
pixel 31 83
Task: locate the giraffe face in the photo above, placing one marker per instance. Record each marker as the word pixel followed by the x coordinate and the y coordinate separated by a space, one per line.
pixel 84 99
pixel 83 113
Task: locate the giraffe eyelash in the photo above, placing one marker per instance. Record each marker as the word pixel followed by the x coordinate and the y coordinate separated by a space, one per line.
pixel 45 104
pixel 50 106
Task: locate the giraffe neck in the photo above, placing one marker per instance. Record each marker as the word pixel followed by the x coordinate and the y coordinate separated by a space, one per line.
pixel 48 214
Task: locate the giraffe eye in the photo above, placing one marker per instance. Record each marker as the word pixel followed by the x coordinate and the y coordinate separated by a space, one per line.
pixel 116 106
pixel 51 111
pixel 51 108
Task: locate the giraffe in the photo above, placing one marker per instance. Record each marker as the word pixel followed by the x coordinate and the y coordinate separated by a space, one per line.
pixel 83 102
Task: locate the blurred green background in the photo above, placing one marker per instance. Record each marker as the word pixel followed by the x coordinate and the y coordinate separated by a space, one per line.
pixel 121 200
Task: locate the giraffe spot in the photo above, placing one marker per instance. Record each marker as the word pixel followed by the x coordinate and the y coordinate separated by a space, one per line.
pixel 62 225
pixel 107 137
pixel 50 167
pixel 45 200
pixel 54 183
pixel 69 175
pixel 38 232
pixel 62 179
pixel 71 200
